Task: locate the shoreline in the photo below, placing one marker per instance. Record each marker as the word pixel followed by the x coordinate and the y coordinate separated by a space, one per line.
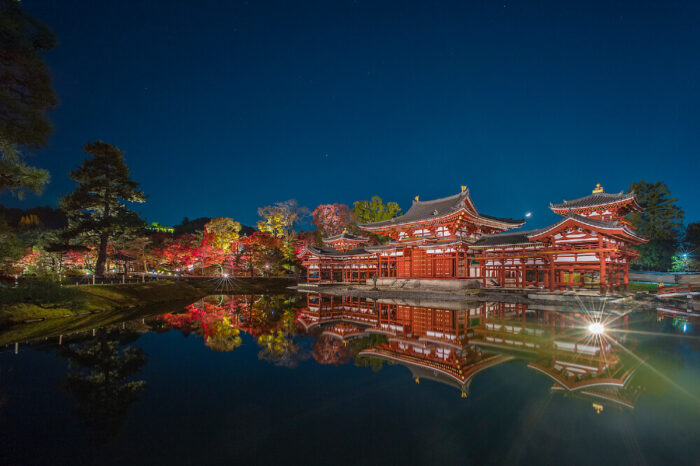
pixel 638 300
pixel 101 299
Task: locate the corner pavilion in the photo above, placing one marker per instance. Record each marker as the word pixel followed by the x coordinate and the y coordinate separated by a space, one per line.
pixel 449 238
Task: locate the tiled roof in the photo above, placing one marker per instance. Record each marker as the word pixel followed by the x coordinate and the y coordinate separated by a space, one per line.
pixel 522 237
pixel 511 237
pixel 593 200
pixel 335 252
pixel 425 210
pixel 346 235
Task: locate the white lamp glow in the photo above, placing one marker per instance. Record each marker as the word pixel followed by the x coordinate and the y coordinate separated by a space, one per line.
pixel 596 328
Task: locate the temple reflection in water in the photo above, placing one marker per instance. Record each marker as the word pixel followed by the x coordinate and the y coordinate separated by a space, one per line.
pixel 452 342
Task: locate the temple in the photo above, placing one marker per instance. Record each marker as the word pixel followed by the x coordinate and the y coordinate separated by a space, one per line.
pixel 449 238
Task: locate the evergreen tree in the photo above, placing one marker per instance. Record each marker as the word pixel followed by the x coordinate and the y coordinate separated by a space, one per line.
pixel 374 210
pixel 661 223
pixel 692 245
pixel 26 94
pixel 96 209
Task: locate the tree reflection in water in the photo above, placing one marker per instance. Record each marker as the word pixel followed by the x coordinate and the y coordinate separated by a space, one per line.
pixel 99 374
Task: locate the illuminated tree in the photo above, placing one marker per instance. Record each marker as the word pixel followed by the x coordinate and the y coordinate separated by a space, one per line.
pixel 221 232
pixel 97 209
pixel 374 210
pixel 140 248
pixel 280 219
pixel 331 219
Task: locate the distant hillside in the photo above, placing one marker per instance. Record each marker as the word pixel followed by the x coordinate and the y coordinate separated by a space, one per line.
pixel 48 216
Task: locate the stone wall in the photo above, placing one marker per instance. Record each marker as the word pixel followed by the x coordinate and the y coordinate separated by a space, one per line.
pixel 428 283
pixel 666 278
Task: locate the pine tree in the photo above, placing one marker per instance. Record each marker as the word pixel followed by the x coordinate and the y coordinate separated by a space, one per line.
pixel 97 210
pixel 661 223
pixel 26 94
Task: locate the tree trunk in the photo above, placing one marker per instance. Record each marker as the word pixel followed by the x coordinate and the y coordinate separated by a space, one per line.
pixel 101 256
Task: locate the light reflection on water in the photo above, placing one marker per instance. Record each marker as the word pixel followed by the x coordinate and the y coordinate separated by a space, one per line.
pixel 297 379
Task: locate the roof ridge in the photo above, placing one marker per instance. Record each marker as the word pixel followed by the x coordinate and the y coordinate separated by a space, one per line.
pixel 441 199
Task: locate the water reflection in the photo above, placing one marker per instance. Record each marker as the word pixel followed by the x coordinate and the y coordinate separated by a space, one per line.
pixel 604 358
pixel 100 376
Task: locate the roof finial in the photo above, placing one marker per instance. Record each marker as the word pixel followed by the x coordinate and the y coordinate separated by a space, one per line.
pixel 345 230
pixel 415 199
pixel 464 188
pixel 598 189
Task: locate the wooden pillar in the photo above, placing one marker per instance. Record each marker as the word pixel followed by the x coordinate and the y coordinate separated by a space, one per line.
pixel 551 275
pixel 603 279
pixel 627 276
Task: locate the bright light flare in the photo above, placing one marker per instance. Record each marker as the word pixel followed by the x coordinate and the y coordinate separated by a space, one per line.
pixel 596 328
pixel 528 215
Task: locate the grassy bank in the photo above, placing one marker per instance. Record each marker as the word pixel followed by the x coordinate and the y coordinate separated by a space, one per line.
pixel 36 303
pixel 84 299
pixel 82 307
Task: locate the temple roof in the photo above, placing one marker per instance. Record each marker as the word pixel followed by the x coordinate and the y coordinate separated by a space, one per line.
pixel 436 208
pixel 345 235
pixel 334 252
pixel 523 237
pixel 594 200
pixel 603 224
pixel 511 237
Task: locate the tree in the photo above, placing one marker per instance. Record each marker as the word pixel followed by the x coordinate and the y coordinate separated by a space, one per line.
pixel 692 237
pixel 221 232
pixel 374 210
pixel 96 209
pixel 140 249
pixel 331 219
pixel 26 94
pixel 692 245
pixel 11 248
pixel 660 222
pixel 281 218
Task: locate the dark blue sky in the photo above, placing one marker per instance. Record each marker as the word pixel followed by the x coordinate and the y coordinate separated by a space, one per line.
pixel 223 106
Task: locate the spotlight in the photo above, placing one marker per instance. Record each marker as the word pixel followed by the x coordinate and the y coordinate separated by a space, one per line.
pixel 596 328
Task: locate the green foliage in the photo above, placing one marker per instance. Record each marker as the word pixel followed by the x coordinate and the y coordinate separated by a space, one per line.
pixel 680 263
pixel 374 210
pixel 692 245
pixel 97 210
pixel 16 176
pixel 26 94
pixel 10 246
pixel 660 222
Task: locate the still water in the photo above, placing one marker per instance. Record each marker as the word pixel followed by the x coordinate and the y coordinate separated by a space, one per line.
pixel 312 379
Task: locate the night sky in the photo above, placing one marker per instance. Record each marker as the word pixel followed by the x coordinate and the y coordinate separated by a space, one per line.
pixel 223 107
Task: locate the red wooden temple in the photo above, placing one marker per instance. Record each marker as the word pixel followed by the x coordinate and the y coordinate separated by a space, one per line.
pixel 449 238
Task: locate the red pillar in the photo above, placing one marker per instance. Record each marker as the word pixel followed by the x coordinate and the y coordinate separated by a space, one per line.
pixel 603 279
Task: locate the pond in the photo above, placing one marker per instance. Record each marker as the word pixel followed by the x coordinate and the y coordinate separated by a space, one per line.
pixel 315 379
